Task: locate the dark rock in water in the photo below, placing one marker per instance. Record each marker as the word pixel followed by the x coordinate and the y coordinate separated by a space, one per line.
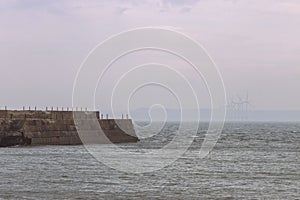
pixel 60 128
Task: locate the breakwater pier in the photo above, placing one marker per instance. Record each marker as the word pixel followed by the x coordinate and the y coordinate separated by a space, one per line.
pixel 36 127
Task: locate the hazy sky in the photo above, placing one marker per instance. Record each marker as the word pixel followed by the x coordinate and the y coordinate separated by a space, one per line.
pixel 255 44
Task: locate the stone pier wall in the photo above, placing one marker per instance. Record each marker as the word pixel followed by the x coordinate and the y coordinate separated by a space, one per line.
pixel 58 128
pixel 54 115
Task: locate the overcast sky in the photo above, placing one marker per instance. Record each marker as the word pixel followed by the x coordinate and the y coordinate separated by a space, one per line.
pixel 255 44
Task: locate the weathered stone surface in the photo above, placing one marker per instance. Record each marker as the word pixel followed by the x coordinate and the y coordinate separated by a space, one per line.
pixel 58 128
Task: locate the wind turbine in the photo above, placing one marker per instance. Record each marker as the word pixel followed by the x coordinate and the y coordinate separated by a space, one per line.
pixel 247 104
pixel 241 107
pixel 233 108
pixel 238 107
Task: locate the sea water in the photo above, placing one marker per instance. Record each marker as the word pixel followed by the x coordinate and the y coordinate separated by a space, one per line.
pixel 249 161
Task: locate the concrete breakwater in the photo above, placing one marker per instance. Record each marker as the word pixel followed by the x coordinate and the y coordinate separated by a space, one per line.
pixel 59 128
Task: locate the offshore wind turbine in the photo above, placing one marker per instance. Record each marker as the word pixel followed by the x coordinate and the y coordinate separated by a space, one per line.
pixel 247 104
pixel 239 107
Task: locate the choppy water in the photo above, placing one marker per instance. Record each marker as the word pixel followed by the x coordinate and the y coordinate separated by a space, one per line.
pixel 251 160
